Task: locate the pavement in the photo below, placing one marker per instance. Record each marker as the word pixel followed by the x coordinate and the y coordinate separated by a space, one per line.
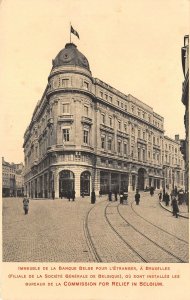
pixel 54 230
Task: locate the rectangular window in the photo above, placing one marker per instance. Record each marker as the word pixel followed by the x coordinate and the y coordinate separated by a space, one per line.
pixel 139 133
pixel 110 98
pixel 119 147
pixel 144 155
pixel 125 149
pixel 144 136
pixel 121 104
pixel 109 144
pixel 66 135
pixel 85 137
pixel 139 154
pixel 118 102
pixel 103 118
pixel 86 85
pixel 66 108
pixel 101 94
pixel 125 107
pixel 110 121
pixel 119 125
pixel 125 127
pixel 132 109
pixel 65 82
pixel 106 96
pixel 103 142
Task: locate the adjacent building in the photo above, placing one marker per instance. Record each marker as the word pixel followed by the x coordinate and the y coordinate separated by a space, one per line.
pixel 185 101
pixel 12 179
pixel 85 134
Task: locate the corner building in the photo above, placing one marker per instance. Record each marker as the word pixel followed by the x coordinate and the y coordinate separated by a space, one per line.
pixel 85 134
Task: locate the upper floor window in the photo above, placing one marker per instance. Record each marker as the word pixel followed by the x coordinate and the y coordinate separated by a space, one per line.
pixel 132 109
pixel 103 118
pixel 106 96
pixel 86 85
pixel 119 125
pixel 110 98
pixel 119 147
pixel 103 142
pixel 121 104
pixel 118 102
pixel 86 110
pixel 125 107
pixel 86 137
pixel 144 136
pixel 101 94
pixel 110 121
pixel 139 133
pixel 66 108
pixel 125 149
pixel 65 82
pixel 125 127
pixel 109 144
pixel 66 135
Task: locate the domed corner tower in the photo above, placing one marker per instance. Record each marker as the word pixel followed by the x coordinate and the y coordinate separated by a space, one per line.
pixel 70 95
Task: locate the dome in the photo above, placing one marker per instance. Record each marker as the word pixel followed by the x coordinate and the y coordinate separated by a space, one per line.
pixel 70 56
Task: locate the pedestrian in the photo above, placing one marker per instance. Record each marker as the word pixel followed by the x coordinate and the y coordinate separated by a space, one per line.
pixel 73 195
pixel 100 193
pixel 93 197
pixel 26 205
pixel 121 197
pixel 69 195
pixel 53 194
pixel 175 191
pixel 167 198
pixel 175 207
pixel 61 194
pixel 151 191
pixel 125 197
pixel 160 196
pixel 115 195
pixel 137 197
pixel 180 197
pixel 110 196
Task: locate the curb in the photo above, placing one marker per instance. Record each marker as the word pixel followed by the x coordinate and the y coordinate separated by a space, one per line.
pixel 163 206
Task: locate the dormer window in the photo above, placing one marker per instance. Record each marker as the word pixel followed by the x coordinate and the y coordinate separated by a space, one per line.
pixel 86 85
pixel 65 82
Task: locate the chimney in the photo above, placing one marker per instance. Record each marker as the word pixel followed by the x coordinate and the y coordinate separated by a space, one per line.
pixel 177 137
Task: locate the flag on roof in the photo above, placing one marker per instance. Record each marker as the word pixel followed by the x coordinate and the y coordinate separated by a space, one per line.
pixel 74 32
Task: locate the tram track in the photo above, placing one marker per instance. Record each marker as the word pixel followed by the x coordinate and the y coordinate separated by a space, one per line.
pixel 149 239
pixel 160 228
pixel 88 237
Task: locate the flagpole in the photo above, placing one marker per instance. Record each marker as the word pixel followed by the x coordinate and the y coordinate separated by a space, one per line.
pixel 70 32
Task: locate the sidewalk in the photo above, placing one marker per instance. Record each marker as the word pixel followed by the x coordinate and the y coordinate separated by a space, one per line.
pixel 183 209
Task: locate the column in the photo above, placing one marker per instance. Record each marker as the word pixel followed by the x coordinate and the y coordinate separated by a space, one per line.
pixel 130 183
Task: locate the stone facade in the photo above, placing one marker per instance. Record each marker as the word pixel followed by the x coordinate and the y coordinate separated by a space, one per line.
pixel 85 135
pixel 12 179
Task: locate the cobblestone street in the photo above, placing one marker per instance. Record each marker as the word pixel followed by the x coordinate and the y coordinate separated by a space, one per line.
pixel 62 231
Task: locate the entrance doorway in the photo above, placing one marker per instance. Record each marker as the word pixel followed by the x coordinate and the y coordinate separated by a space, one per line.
pixel 66 182
pixel 141 179
pixel 85 183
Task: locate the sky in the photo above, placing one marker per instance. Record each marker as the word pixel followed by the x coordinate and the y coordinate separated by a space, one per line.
pixel 133 45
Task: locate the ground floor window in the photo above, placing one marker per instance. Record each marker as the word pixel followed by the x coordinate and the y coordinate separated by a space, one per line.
pixel 85 183
pixel 66 183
